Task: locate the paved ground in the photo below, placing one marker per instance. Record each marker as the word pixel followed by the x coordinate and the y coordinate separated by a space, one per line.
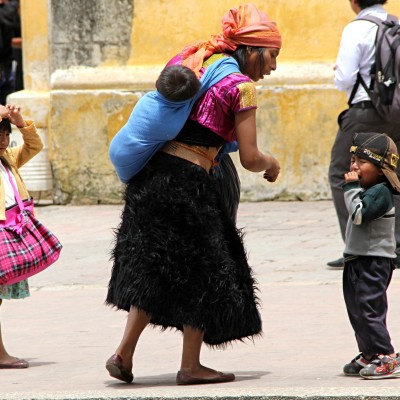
pixel 66 332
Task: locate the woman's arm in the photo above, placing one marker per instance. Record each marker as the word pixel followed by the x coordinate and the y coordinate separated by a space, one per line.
pixel 251 157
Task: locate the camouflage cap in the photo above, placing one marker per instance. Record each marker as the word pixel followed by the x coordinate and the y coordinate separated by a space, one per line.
pixel 379 149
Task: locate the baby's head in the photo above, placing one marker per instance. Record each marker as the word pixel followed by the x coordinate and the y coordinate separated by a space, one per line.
pixel 178 83
pixel 380 150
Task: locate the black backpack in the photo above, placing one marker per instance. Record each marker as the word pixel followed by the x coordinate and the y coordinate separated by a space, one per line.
pixel 384 90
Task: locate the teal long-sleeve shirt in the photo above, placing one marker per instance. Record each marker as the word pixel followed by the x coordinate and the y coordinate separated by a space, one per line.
pixel 370 228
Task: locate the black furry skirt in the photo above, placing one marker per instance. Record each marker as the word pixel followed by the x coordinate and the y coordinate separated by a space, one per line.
pixel 179 257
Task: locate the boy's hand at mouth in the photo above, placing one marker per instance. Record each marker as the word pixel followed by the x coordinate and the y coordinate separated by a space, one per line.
pixel 351 177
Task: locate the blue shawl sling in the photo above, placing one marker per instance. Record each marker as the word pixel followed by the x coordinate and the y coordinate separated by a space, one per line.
pixel 156 120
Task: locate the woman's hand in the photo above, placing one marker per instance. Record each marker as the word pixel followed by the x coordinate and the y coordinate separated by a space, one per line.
pixel 14 115
pixel 272 172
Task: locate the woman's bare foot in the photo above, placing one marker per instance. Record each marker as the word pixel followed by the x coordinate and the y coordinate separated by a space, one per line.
pixel 126 359
pixel 202 375
pixel 201 372
pixel 7 361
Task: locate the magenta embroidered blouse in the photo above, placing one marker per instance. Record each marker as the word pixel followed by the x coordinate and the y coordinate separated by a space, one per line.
pixel 216 109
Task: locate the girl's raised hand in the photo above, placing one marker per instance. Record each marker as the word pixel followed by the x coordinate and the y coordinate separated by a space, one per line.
pixel 14 115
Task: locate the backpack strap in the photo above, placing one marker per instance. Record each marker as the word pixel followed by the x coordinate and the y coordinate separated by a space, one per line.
pixel 354 90
pixel 392 18
pixel 378 21
pixel 359 81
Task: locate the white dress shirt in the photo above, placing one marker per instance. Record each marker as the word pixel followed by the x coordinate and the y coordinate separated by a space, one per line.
pixel 357 53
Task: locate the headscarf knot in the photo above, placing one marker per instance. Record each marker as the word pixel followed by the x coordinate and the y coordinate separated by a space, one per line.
pixel 244 25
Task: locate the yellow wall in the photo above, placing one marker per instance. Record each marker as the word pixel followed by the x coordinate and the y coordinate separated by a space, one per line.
pixel 34 25
pixel 310 29
pixel 81 108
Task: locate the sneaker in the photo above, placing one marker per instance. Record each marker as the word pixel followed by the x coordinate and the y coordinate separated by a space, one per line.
pixel 382 367
pixel 354 367
pixel 336 264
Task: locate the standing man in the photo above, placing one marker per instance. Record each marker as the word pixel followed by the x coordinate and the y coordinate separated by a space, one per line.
pixel 357 55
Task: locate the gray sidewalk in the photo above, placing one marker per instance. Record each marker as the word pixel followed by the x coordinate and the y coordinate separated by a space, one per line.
pixel 66 332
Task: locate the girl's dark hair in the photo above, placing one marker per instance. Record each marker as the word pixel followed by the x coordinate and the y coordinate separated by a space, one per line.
pixel 368 3
pixel 5 125
pixel 178 83
pixel 241 54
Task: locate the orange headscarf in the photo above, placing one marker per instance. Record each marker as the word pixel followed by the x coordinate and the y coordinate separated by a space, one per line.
pixel 244 25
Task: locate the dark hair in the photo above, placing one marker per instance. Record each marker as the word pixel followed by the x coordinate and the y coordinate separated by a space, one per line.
pixel 5 125
pixel 369 3
pixel 178 83
pixel 241 54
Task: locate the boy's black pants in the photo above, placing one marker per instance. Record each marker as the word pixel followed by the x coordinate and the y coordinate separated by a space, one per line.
pixel 365 281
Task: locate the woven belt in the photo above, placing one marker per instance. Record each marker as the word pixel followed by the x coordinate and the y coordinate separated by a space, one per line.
pixel 362 104
pixel 201 156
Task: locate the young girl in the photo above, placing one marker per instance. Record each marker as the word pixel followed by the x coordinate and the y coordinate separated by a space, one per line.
pixel 12 159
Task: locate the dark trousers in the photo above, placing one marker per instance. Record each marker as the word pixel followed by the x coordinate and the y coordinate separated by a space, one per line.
pixel 352 121
pixel 365 281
